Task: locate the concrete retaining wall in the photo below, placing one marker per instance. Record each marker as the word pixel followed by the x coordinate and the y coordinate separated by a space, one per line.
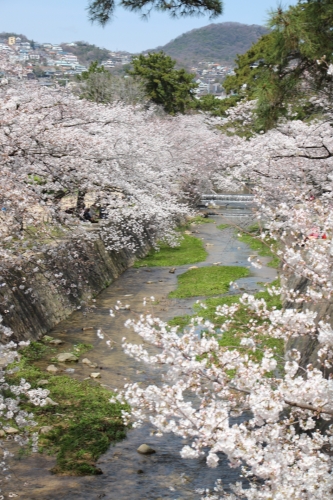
pixel 84 272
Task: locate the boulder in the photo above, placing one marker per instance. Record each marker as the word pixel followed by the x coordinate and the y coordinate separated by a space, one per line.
pixel 87 361
pixel 50 401
pixel 56 342
pixel 52 369
pixel 46 429
pixel 144 449
pixel 67 357
pixel 11 430
pixel 172 271
pixel 2 433
pixel 43 381
pixel 95 375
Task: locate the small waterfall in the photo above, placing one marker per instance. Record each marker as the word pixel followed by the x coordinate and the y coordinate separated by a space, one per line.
pixel 228 198
pixel 232 205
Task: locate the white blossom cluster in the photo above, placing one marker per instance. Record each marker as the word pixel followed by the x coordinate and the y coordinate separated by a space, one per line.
pixel 11 412
pixel 283 442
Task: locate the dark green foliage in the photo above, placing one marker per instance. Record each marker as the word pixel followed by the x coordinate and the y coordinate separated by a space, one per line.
pixel 102 10
pixel 217 107
pixel 93 69
pixel 276 68
pixel 164 85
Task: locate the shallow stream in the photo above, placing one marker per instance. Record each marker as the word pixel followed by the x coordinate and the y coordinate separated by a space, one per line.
pixel 127 474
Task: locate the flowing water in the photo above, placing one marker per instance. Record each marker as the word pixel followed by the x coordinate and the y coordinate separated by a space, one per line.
pixel 127 474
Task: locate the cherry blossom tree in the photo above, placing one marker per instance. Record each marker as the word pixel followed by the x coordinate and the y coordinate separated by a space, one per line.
pixel 275 423
pixel 145 168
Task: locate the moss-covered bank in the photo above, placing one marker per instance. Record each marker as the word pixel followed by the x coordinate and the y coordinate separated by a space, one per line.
pixel 82 424
pixel 238 327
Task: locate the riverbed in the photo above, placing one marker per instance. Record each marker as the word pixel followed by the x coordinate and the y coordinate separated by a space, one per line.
pixel 127 474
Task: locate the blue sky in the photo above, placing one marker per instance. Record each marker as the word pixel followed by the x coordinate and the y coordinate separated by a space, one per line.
pixel 58 21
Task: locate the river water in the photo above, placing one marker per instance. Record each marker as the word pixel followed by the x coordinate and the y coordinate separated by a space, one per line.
pixel 127 474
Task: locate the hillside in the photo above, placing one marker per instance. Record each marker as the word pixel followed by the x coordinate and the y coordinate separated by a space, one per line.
pixel 219 42
pixel 87 52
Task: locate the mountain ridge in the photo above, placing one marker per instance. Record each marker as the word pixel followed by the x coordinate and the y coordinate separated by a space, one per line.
pixel 218 42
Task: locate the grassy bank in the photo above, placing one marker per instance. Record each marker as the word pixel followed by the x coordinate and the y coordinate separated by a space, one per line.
pixel 238 327
pixel 207 281
pixel 83 424
pixel 262 246
pixel 189 251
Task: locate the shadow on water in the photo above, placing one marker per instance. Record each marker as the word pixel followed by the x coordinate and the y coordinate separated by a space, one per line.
pixel 127 474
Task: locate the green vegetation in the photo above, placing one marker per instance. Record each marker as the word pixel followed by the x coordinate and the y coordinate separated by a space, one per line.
pixel 216 107
pixel 164 85
pixel 99 85
pixel 189 251
pixel 219 42
pixel 102 11
pixel 207 281
pixel 261 245
pixel 84 422
pixel 223 226
pixel 238 326
pixel 36 179
pixel 298 48
pixel 199 219
pixel 36 351
pixel 87 52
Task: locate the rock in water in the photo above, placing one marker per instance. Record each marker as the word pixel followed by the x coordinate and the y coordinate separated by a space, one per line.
pixel 66 356
pixel 52 369
pixel 172 270
pixel 95 375
pixel 56 342
pixel 144 449
pixel 87 361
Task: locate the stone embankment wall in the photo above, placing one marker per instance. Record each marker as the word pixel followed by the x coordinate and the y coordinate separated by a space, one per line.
pixel 306 345
pixel 68 279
